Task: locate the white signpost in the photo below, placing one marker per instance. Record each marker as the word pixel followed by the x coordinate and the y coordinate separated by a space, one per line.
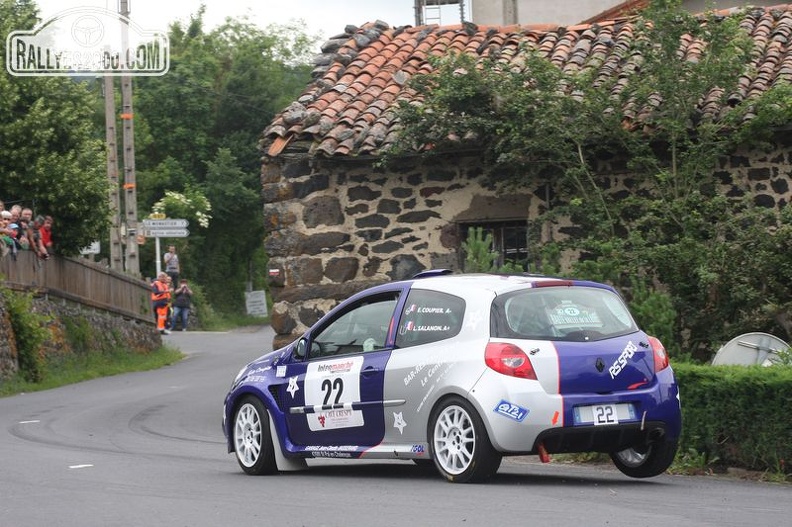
pixel 166 228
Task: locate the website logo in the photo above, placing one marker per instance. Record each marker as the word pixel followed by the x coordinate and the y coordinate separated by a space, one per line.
pixel 88 42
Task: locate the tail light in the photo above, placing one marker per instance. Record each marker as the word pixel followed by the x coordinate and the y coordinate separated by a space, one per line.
pixel 508 359
pixel 660 355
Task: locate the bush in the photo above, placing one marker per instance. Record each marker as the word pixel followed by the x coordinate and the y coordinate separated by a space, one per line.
pixel 737 414
pixel 30 332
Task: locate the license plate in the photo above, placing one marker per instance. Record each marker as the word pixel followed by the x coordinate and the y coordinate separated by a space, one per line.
pixel 604 414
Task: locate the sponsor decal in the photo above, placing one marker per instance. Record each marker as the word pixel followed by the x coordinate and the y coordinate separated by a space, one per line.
pixel 281 372
pixel 512 411
pixel 336 367
pixel 475 319
pixel 333 386
pixel 570 315
pixel 619 364
pixel 293 388
pixel 399 422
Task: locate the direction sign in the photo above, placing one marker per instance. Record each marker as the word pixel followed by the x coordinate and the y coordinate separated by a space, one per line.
pixel 164 224
pixel 159 232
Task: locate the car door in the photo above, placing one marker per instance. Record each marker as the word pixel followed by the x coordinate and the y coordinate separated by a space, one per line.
pixel 334 396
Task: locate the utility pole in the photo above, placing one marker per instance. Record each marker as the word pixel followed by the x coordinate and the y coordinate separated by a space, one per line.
pixel 130 186
pixel 116 257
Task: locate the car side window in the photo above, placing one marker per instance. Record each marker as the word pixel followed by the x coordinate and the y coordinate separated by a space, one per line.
pixel 361 328
pixel 429 316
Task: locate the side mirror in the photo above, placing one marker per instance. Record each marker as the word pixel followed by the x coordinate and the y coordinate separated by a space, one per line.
pixel 301 348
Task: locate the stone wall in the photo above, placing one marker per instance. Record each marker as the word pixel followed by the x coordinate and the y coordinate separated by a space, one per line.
pixel 98 330
pixel 337 227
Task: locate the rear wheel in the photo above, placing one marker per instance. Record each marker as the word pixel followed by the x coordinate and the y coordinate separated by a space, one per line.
pixel 459 444
pixel 252 441
pixel 645 462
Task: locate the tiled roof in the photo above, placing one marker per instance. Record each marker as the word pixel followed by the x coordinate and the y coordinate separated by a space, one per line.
pixel 348 109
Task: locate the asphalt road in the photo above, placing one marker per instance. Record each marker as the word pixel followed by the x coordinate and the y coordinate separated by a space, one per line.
pixel 146 449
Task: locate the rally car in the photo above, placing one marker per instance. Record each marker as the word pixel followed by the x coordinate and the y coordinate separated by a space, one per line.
pixel 459 371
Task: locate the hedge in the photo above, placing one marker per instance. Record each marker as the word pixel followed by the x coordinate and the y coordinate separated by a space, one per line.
pixel 738 416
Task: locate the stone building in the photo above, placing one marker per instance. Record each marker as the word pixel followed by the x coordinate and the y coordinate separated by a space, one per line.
pixel 337 222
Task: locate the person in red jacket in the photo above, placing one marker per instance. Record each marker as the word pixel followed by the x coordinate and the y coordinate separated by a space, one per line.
pixel 160 298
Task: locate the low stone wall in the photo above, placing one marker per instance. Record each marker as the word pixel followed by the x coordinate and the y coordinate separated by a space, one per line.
pixel 74 328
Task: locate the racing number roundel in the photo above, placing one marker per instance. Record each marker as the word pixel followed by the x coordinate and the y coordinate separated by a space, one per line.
pixel 330 388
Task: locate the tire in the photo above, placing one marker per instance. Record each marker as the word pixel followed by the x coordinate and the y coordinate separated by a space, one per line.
pixel 459 444
pixel 646 462
pixel 252 441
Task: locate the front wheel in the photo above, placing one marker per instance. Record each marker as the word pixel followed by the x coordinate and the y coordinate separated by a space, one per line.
pixel 252 441
pixel 646 462
pixel 459 444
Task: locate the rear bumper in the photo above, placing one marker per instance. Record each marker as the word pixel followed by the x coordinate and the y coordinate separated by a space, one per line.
pixel 600 438
pixel 549 418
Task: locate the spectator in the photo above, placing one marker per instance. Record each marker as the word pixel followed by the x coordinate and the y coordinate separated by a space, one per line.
pixel 7 235
pixel 36 240
pixel 24 234
pixel 16 210
pixel 172 264
pixel 160 298
pixel 181 304
pixel 46 233
pixel 19 236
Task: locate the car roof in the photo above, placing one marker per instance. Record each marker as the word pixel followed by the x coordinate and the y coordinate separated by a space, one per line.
pixel 497 283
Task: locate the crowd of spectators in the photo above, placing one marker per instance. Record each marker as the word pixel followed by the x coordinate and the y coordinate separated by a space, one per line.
pixel 21 231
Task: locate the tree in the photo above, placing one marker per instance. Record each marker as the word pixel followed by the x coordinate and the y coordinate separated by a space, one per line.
pixel 224 87
pixel 51 159
pixel 542 126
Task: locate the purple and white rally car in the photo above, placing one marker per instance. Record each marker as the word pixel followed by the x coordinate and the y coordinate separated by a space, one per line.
pixel 459 371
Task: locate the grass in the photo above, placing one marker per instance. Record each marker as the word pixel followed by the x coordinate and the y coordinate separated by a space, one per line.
pixel 690 463
pixel 83 367
pixel 225 322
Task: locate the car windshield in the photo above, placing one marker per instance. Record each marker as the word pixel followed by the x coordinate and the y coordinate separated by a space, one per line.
pixel 561 313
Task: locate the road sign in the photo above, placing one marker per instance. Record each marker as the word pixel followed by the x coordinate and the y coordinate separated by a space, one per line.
pixel 157 216
pixel 164 224
pixel 159 232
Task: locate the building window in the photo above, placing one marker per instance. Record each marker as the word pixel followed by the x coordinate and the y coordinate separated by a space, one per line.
pixel 509 240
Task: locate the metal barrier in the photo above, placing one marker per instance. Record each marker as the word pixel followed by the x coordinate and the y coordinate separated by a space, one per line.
pixel 80 281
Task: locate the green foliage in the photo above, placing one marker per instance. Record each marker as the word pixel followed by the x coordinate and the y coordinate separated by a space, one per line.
pixel 737 414
pixel 226 86
pixel 30 332
pixel 654 311
pixel 51 159
pixel 479 256
pixel 784 358
pixel 79 334
pixel 82 367
pixel 691 461
pixel 721 263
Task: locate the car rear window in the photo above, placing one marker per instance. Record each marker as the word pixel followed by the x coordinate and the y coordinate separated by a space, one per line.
pixel 561 313
pixel 429 316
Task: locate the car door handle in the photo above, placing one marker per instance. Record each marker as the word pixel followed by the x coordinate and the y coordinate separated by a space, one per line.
pixel 370 371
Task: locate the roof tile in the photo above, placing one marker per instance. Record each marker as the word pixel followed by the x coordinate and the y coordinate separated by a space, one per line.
pixel 349 108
